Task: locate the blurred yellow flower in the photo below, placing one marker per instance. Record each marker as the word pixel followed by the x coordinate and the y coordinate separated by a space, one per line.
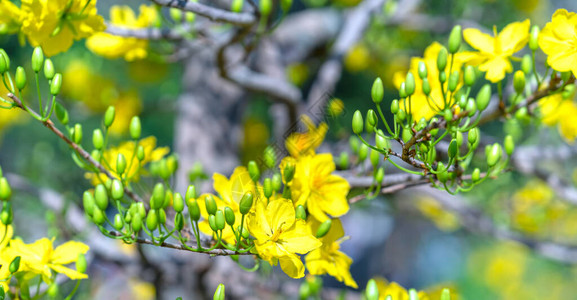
pixel 305 143
pixel 231 192
pixel 495 51
pixel 558 40
pixel 314 187
pixel 41 258
pixel 433 210
pixel 395 290
pixel 328 259
pixel 6 233
pixel 127 104
pixel 133 170
pixel 561 112
pixel 111 46
pixel 9 17
pixel 420 107
pixel 55 24
pixel 358 58
pixel 336 107
pixel 280 236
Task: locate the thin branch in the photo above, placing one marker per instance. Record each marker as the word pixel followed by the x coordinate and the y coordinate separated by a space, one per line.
pixel 214 14
pixel 150 33
pixel 83 153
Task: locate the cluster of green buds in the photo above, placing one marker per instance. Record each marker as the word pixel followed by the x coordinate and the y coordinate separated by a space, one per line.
pixel 5 196
pixel 20 81
pixel 443 146
pixel 311 287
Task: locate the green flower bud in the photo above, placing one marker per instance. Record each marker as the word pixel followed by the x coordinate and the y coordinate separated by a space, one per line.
pixel 135 128
pixel 494 155
pixel 426 87
pixel 276 182
pixel 20 78
pixel 56 84
pixel 324 228
pixel 61 113
pixel 189 16
pixel 178 203
pixel 527 64
pixel 410 84
pixel 442 76
pixel 371 121
pixel 304 290
pixel 253 171
pixel 422 70
pixel 534 38
pixel 136 223
pixel 4 62
pixel 109 116
pixel 402 91
pixel 407 135
pixel 162 216
pixel 5 190
pixel 172 164
pixel 245 203
pixel 244 232
pixel 81 263
pixel 152 219
pixel 212 222
pixel 380 175
pixel 14 265
pixel 382 142
pixel 190 192
pixel 459 138
pixel 462 101
pixel 357 122
pixel 267 187
pixel 445 294
pixel 519 82
pixel 97 139
pixel 453 81
pixel 483 97
pixel 193 210
pixel 101 196
pixel 453 149
pixel 98 216
pixel 343 160
pixel 37 59
pixel 269 157
pixel 118 222
pixel 77 134
pixel 476 176
pixel 88 202
pixel 442 174
pixel 372 291
pixel 473 136
pixel 120 163
pixel 210 204
pixel 49 72
pixel 377 91
pixel 395 106
pixel 286 5
pixel 401 115
pixel 301 212
pixel 167 198
pixel 363 152
pixel 117 190
pixel 289 172
pixel 178 221
pixel 469 77
pixel 140 153
pixel 219 220
pixel 471 107
pixel 442 59
pixel 229 216
pixel 175 14
pixel 521 114
pixel 265 7
pixel 374 157
pixel 219 293
pixel 158 194
pixel 509 145
pixel 455 39
pixel 53 290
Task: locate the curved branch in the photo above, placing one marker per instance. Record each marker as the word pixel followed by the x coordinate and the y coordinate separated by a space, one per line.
pixel 150 33
pixel 214 14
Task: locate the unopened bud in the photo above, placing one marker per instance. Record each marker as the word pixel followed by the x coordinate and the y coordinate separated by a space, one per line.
pixel 442 59
pixel 357 122
pixel 301 212
pixel 324 228
pixel 455 39
pixel 410 84
pixel 422 70
pixel 519 81
pixel 534 38
pixel 253 171
pixel 20 78
pixel 246 203
pixel 377 91
pixel 135 128
pixel 37 59
pixel 483 97
pixel 109 116
pixel 470 76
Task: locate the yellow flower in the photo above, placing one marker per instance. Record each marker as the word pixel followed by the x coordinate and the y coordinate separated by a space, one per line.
pixel 55 24
pixel 420 107
pixel 9 17
pixel 151 153
pixel 558 40
pixel 561 112
pixel 336 107
pixel 433 210
pixel 279 236
pixel 305 143
pixel 111 46
pixel 41 258
pixel 314 187
pixel 495 52
pixel 328 259
pixel 6 258
pixel 395 290
pixel 231 192
pixel 357 59
pixel 127 104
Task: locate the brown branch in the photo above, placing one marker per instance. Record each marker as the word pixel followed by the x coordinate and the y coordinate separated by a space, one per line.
pixel 150 33
pixel 83 153
pixel 214 14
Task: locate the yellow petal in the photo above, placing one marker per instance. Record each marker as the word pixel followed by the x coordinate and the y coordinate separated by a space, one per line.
pixel 68 252
pixel 292 266
pixel 479 40
pixel 72 274
pixel 514 36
